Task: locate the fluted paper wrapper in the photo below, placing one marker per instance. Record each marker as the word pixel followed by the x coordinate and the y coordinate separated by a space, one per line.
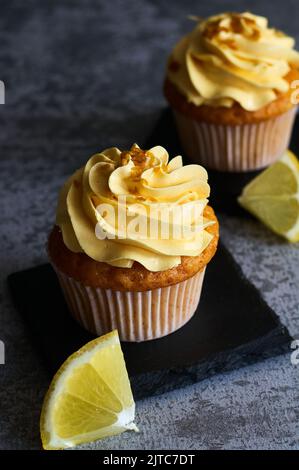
pixel 138 316
pixel 235 148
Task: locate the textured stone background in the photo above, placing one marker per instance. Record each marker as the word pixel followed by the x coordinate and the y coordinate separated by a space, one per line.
pixel 80 76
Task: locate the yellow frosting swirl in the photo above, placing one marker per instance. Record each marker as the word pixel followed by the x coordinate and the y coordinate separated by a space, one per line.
pixel 232 57
pixel 141 187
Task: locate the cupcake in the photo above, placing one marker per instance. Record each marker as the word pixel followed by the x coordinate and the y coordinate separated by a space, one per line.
pixel 229 85
pixel 132 240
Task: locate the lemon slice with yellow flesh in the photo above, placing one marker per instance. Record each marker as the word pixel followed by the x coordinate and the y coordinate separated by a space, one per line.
pixel 273 197
pixel 90 396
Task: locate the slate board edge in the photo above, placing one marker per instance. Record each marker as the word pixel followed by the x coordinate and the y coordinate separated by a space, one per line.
pixel 175 378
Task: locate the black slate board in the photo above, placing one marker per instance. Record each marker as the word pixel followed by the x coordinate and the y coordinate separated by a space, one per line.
pixel 232 327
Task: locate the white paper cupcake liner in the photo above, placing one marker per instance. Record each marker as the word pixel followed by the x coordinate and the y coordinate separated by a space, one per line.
pixel 138 316
pixel 235 148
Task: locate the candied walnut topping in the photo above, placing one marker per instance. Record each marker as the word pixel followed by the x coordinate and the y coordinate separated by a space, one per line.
pixel 213 29
pixel 142 159
pixel 239 24
pixel 136 154
pixel 230 43
pixel 124 158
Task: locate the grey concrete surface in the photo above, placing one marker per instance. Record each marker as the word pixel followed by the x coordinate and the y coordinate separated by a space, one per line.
pixel 81 76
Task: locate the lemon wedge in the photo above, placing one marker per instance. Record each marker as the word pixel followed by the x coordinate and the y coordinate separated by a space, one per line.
pixel 90 396
pixel 273 197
